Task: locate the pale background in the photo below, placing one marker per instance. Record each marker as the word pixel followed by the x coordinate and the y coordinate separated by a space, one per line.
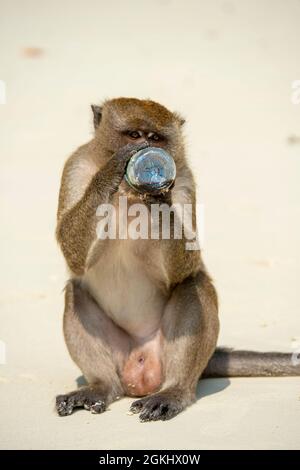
pixel 228 67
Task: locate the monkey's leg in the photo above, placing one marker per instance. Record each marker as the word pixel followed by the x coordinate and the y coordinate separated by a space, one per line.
pixel 91 337
pixel 190 329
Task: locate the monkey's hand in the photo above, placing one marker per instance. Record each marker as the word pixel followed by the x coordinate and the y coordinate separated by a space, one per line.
pixel 110 177
pixel 76 229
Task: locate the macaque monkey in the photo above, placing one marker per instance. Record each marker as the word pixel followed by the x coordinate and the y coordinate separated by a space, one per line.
pixel 141 315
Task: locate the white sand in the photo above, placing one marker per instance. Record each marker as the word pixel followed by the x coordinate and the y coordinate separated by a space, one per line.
pixel 228 67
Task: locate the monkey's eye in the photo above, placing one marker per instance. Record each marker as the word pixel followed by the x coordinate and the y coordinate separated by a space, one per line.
pixel 154 137
pixel 134 134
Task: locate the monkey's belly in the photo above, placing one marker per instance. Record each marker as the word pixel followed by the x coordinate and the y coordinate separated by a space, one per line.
pixel 142 373
pixel 127 294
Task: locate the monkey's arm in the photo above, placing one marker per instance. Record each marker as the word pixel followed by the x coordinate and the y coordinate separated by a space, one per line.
pixel 76 227
pixel 190 329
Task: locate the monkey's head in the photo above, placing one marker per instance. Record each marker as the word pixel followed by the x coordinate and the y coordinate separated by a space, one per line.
pixel 129 120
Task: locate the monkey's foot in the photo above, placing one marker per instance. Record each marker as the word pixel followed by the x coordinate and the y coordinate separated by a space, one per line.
pixel 161 406
pixel 86 398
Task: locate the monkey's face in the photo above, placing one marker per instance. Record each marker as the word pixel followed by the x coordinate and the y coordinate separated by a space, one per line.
pixel 128 120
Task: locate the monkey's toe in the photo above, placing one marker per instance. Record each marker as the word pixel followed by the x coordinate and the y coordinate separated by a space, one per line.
pixel 86 399
pixel 136 406
pixel 98 407
pixel 156 407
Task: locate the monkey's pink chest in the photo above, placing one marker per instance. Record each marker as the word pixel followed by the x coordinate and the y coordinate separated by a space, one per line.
pixel 142 372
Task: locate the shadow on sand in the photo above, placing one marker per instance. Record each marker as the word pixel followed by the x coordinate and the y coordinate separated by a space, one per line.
pixel 207 387
pixel 80 381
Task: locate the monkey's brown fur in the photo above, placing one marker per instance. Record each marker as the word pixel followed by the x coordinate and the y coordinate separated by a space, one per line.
pixel 141 316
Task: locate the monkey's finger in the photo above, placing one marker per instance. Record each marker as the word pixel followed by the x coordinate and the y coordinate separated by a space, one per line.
pixel 130 149
pixel 133 148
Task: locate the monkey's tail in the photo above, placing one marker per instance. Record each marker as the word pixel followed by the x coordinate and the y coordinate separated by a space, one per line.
pixel 226 362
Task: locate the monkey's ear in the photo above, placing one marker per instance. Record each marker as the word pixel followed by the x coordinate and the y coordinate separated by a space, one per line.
pixel 97 111
pixel 179 119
